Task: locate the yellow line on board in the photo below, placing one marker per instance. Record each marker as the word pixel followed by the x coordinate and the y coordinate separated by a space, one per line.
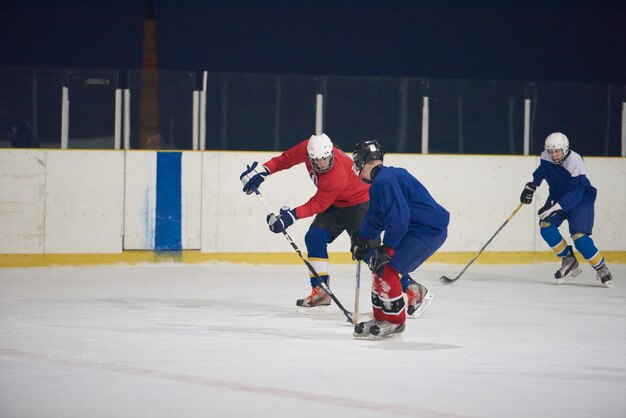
pixel 194 257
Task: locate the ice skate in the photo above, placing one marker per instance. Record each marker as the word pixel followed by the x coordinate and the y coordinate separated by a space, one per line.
pixel 604 276
pixel 418 299
pixel 569 268
pixel 376 330
pixel 362 329
pixel 317 302
pixel 385 329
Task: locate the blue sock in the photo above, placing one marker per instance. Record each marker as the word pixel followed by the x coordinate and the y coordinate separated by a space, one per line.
pixel 404 280
pixel 585 246
pixel 554 239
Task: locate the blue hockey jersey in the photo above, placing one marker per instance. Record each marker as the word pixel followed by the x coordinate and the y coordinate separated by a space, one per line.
pixel 568 182
pixel 399 205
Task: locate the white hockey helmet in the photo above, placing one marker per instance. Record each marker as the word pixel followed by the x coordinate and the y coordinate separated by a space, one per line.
pixel 557 141
pixel 320 150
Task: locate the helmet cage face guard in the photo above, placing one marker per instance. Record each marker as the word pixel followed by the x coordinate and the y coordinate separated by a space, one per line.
pixel 554 143
pixel 316 163
pixel 320 152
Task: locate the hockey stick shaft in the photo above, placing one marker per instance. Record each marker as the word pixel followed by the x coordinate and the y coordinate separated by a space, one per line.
pixel 322 284
pixel 447 280
pixel 357 291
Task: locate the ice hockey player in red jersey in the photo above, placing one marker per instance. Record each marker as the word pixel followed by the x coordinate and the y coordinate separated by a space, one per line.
pixel 339 204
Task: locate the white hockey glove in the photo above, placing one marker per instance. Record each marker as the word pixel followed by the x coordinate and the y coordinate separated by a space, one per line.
pixel 283 221
pixel 253 177
pixel 550 209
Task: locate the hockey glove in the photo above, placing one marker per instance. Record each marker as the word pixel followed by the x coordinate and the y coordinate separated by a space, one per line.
pixel 381 257
pixel 253 177
pixel 549 210
pixel 284 220
pixel 359 247
pixel 527 193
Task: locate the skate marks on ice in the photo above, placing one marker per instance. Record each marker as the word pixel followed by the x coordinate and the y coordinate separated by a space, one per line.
pixel 539 273
pixel 345 402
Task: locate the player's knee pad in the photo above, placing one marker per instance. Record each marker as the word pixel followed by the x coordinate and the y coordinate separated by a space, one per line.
pixel 391 295
pixel 316 241
pixel 551 234
pixel 585 246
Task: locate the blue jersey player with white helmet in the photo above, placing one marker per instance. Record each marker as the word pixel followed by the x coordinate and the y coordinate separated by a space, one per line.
pixel 572 198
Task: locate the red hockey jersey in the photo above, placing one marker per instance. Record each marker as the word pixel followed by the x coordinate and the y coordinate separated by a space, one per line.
pixel 339 186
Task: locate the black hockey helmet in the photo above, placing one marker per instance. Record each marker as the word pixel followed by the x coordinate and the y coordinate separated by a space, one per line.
pixel 364 152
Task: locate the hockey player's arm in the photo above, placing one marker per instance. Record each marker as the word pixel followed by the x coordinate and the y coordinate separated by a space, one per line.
pixel 290 157
pixel 529 188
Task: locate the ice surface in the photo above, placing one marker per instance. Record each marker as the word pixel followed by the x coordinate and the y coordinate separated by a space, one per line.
pixel 225 340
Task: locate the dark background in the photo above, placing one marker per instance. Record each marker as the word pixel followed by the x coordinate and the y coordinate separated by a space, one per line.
pixel 569 41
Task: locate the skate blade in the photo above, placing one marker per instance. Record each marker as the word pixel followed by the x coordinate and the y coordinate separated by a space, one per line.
pixel 372 337
pixel 608 283
pixel 570 276
pixel 422 308
pixel 313 310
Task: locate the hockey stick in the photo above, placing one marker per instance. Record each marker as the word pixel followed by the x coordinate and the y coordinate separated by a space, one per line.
pixel 355 316
pixel 323 284
pixel 446 280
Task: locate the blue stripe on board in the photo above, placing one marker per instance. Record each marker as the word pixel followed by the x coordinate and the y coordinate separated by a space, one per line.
pixel 168 201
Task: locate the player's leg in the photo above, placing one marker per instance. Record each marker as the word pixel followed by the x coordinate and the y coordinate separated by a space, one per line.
pixel 581 221
pixel 411 253
pixel 323 230
pixel 316 240
pixel 550 233
pixel 388 306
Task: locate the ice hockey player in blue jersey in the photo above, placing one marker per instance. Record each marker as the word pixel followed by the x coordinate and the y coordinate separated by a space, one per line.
pixel 414 226
pixel 572 198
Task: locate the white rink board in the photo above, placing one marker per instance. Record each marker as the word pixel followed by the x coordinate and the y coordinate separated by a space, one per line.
pixel 480 192
pixel 608 175
pixel 22 201
pixel 55 201
pixel 191 200
pixel 140 200
pixel 84 201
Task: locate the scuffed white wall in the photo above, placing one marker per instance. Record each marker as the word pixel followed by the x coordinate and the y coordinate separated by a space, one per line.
pixel 75 201
pixel 22 201
pixel 140 200
pixel 84 201
pixel 480 192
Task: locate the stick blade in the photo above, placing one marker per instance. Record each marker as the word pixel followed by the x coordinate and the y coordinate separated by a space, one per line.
pixel 446 280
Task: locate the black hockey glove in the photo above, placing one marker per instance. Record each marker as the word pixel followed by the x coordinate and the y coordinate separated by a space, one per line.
pixel 381 257
pixel 527 193
pixel 549 211
pixel 253 177
pixel 359 248
pixel 283 221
